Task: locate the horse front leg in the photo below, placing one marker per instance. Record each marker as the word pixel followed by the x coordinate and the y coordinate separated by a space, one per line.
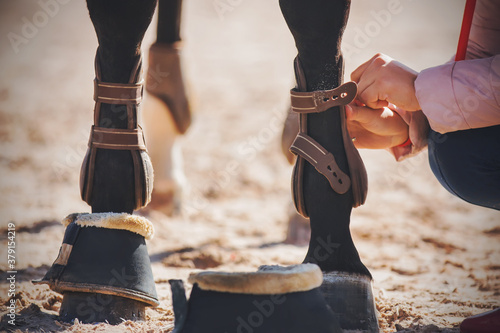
pixel 329 176
pixel 103 268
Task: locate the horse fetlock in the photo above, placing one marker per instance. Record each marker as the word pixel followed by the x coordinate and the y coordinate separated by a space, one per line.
pixel 334 253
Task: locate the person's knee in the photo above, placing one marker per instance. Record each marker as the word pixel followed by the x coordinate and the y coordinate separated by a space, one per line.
pixel 464 167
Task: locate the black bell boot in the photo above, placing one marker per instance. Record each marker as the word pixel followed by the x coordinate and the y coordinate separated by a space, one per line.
pixel 274 299
pixel 103 268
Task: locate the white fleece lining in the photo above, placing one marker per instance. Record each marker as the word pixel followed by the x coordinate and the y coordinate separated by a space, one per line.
pixel 119 221
pixel 268 280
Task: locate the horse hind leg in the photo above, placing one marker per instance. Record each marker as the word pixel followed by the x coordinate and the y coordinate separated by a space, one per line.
pixel 167 112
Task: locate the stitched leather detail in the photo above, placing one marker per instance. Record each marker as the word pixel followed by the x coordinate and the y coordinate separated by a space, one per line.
pixel 117 139
pixel 322 100
pixel 118 93
pixel 309 149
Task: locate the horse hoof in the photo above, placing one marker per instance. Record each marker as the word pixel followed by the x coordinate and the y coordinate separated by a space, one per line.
pixel 92 308
pixel 350 297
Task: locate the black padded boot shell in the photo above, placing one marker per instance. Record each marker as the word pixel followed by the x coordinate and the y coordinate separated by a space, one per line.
pixel 211 311
pixel 105 262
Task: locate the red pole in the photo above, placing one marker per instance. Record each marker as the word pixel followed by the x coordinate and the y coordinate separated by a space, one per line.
pixel 465 31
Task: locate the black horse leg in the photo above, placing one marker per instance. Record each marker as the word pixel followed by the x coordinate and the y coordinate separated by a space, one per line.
pixel 120 27
pixel 103 268
pixel 317 27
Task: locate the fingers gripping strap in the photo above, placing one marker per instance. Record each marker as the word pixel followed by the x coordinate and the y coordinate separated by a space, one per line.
pixel 118 139
pixel 322 100
pixel 322 160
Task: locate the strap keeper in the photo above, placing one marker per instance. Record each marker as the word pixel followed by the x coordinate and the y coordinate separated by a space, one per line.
pixel 322 160
pixel 322 100
pixel 117 138
pixel 118 93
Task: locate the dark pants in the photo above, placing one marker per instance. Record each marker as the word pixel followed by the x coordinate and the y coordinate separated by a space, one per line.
pixel 467 164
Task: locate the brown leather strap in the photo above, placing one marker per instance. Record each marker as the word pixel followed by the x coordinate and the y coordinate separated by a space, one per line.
pixel 118 93
pixel 129 94
pixel 322 100
pixel 117 139
pixel 307 148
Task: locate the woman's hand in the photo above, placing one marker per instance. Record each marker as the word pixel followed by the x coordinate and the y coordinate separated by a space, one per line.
pixel 382 80
pixel 375 128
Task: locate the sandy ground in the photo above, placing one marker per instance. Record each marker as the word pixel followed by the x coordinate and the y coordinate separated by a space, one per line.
pixel 435 259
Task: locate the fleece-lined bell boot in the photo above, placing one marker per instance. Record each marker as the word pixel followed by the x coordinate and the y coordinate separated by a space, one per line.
pixel 272 300
pixel 103 268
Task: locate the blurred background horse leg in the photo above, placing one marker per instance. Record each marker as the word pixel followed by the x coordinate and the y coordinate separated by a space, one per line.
pixel 167 112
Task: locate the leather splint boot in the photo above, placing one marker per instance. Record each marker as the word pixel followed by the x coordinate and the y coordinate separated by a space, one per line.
pixel 307 149
pixel 103 268
pixel 129 139
pixel 349 295
pixel 273 299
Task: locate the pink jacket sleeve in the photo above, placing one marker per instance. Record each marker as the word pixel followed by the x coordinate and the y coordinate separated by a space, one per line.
pixel 461 95
pixel 466 94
